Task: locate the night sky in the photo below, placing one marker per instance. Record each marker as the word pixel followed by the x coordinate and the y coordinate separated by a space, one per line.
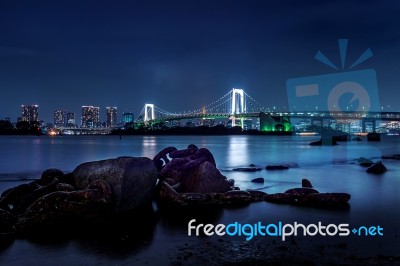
pixel 181 55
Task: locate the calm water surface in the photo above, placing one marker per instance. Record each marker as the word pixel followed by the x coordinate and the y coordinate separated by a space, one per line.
pixel 375 198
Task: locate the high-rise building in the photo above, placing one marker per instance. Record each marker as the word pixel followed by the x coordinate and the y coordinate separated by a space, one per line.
pixel 90 116
pixel 96 117
pixel 60 117
pixel 30 113
pixel 71 120
pixel 111 116
pixel 127 118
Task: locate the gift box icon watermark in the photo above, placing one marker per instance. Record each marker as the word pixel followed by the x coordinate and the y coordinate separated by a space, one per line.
pixel 339 92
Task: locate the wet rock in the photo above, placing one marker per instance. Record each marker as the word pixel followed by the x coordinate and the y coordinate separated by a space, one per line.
pixel 326 198
pixel 306 183
pixel 17 199
pixel 301 191
pixel 377 168
pixel 356 139
pixel 284 198
pixel 247 169
pixel 394 157
pixel 194 198
pixel 258 180
pixel 49 175
pixel 276 167
pixel 60 207
pixel 325 142
pixel 167 194
pixel 341 138
pixel 256 195
pixel 64 187
pixel 205 178
pixel 364 162
pixel 161 158
pixel 132 179
pixel 311 199
pixel 7 221
pixel 237 196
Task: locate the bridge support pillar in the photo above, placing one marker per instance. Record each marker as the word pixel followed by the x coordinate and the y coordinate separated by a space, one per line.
pixel 366 122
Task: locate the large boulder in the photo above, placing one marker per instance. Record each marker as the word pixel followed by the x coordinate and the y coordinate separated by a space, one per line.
pixel 132 179
pixel 205 178
pixel 61 207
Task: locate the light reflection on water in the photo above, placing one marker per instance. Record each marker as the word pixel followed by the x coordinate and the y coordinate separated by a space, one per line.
pixel 374 200
pixel 237 151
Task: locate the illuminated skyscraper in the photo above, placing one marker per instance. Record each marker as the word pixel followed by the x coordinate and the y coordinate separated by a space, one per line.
pixel 127 118
pixel 30 113
pixel 71 119
pixel 60 118
pixel 111 116
pixel 90 116
pixel 96 117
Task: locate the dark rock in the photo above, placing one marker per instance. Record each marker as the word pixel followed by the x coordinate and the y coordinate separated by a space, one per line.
pixel 276 167
pixel 17 199
pixel 301 191
pixel 256 195
pixel 356 139
pixel 237 196
pixel 132 179
pixel 60 207
pixel 305 183
pixel 194 198
pixel 169 194
pixel 373 136
pixel 64 187
pixel 247 169
pixel 258 180
pixel 67 179
pixel 252 165
pixel 340 138
pixel 326 198
pixel 325 142
pixel 178 186
pixel 284 198
pixel 394 157
pixel 364 162
pixel 49 175
pixel 161 158
pixel 377 168
pixel 205 178
pixel 311 199
pixel 7 221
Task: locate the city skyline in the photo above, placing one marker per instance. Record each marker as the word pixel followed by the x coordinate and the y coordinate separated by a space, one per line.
pixel 63 118
pixel 180 55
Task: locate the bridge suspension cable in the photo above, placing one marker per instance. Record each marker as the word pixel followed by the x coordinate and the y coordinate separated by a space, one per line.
pixel 254 103
pixel 223 105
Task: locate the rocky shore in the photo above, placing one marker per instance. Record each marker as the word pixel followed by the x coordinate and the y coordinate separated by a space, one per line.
pixel 104 189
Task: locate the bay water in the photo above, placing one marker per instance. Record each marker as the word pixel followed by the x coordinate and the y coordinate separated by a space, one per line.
pixel 374 198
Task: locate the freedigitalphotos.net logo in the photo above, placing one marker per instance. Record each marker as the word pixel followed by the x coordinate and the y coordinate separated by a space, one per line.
pixel 249 231
pixel 339 92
